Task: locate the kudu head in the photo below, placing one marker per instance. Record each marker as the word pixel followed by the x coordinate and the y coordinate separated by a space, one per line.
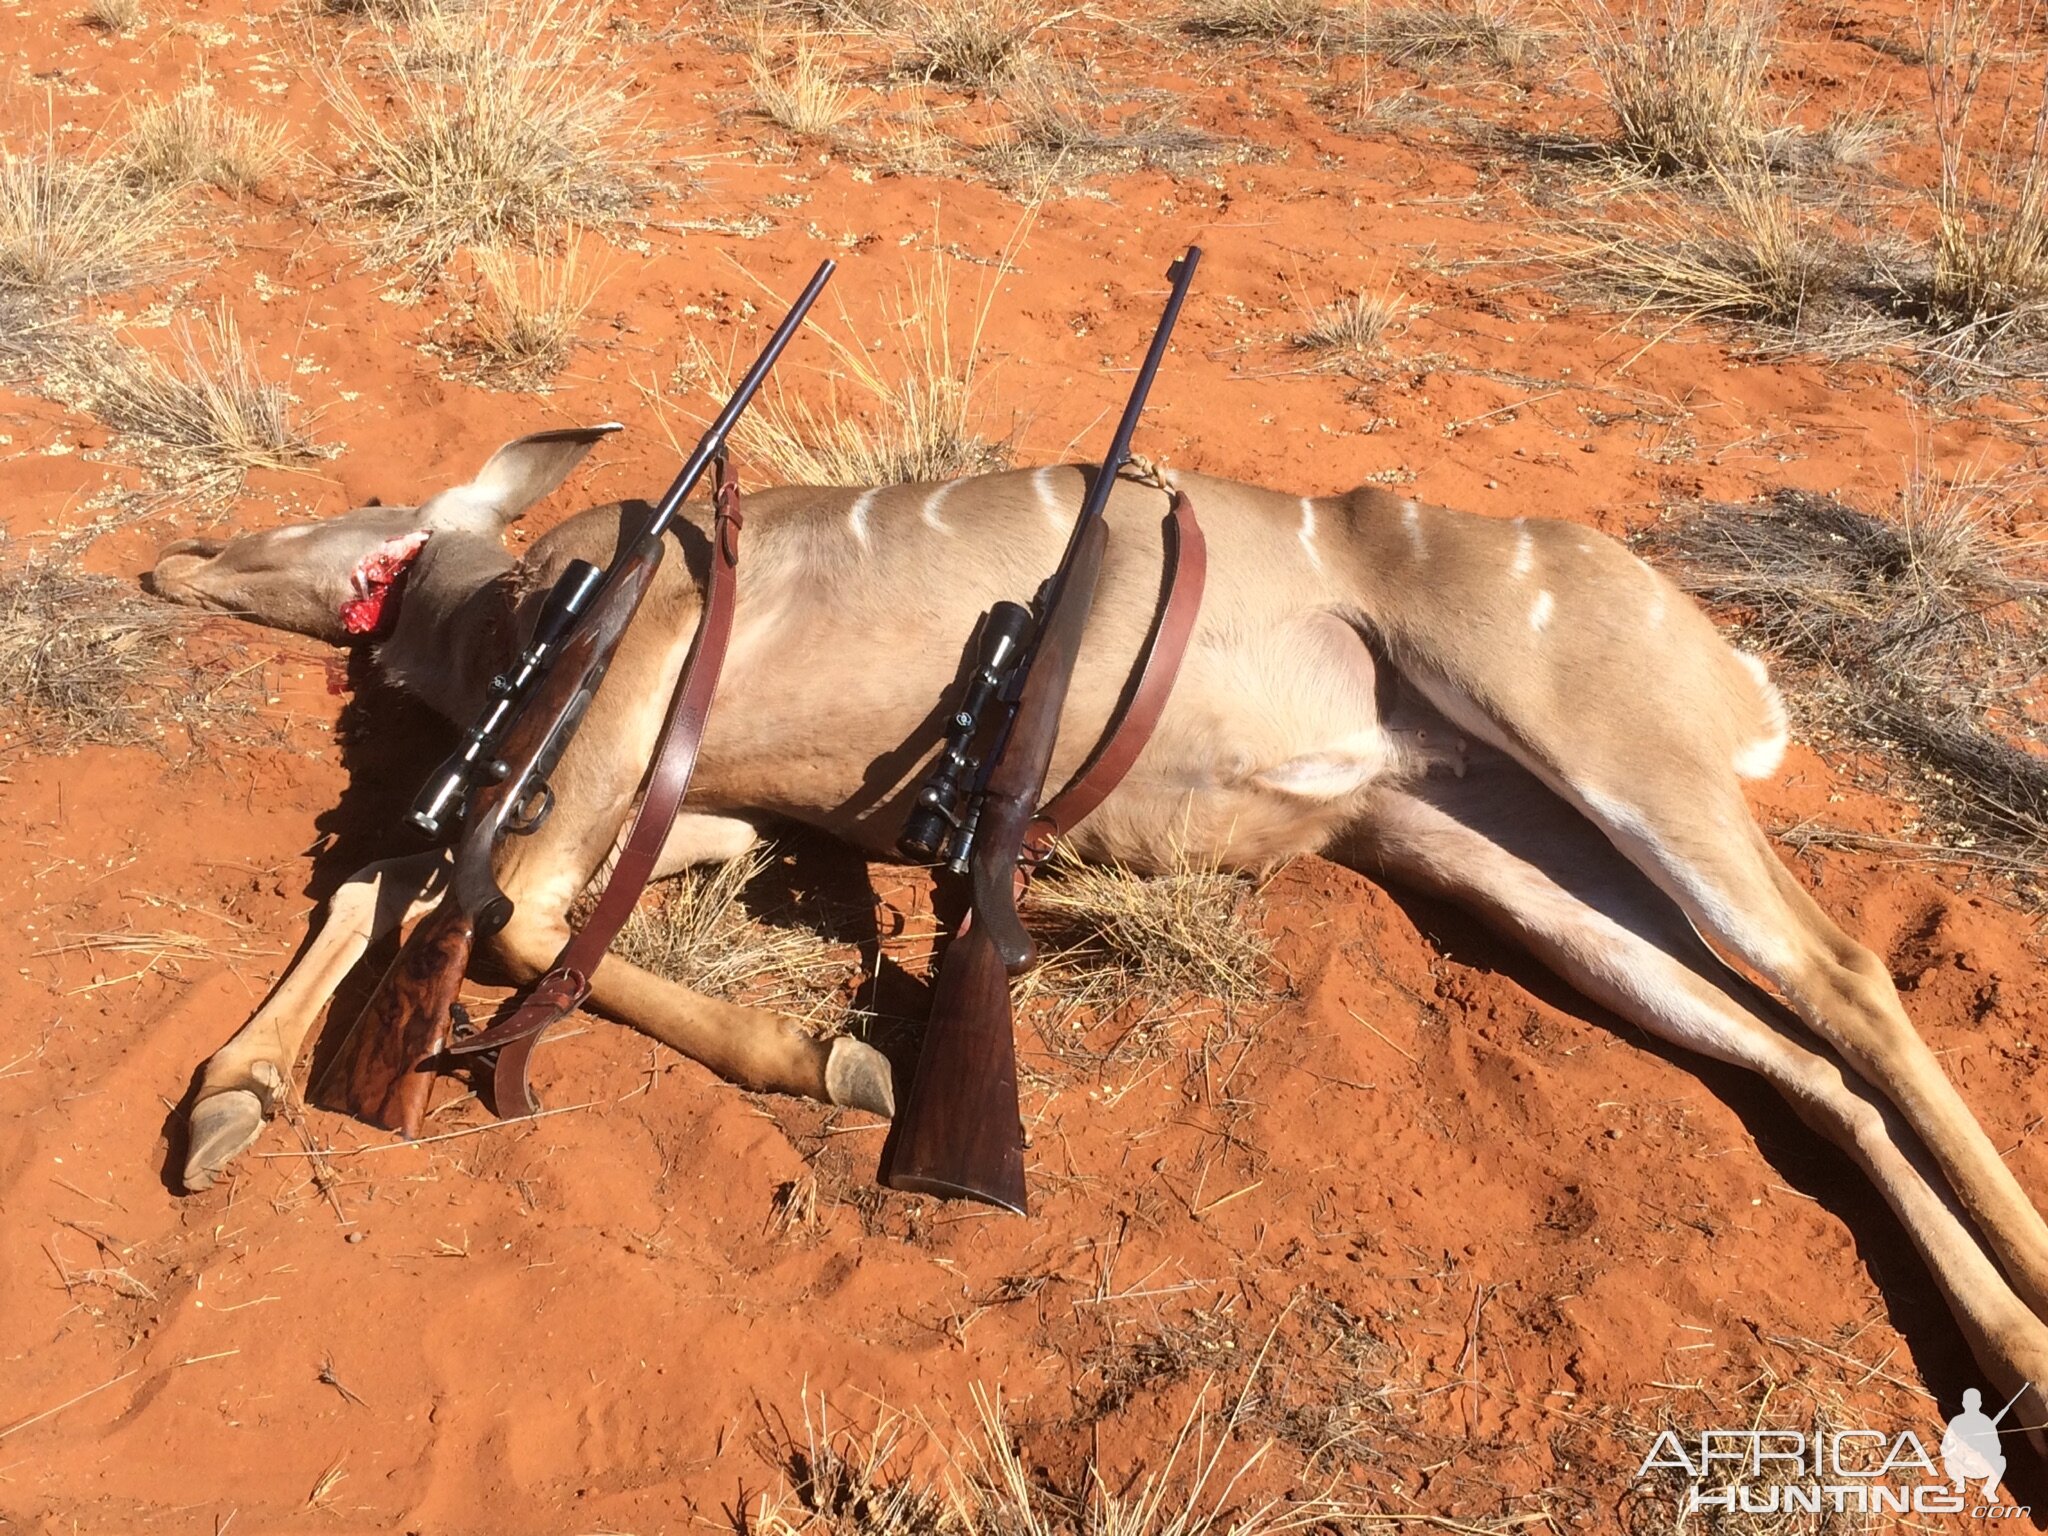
pixel 302 577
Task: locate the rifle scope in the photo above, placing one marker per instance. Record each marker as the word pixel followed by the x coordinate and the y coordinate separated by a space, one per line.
pixel 935 816
pixel 441 803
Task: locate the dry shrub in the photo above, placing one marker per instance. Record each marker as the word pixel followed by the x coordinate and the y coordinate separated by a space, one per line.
pixel 1908 634
pixel 518 141
pixel 841 1482
pixel 526 325
pixel 114 16
pixel 697 930
pixel 1060 130
pixel 194 137
pixel 1308 22
pixel 1494 33
pixel 1990 260
pixel 1354 327
pixel 1685 80
pixel 71 226
pixel 1111 936
pixel 1759 257
pixel 807 95
pixel 85 660
pixel 964 42
pixel 206 408
pixel 921 419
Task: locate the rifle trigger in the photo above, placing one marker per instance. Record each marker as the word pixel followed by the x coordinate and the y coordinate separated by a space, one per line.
pixel 534 810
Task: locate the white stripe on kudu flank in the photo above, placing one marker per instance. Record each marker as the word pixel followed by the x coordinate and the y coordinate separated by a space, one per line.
pixel 932 504
pixel 1525 552
pixel 857 519
pixel 1411 519
pixel 1308 533
pixel 1540 611
pixel 1041 487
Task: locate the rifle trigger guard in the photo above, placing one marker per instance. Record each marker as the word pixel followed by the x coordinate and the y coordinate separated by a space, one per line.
pixel 530 815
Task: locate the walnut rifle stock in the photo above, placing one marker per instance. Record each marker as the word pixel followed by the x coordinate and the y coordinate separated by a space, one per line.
pixel 498 785
pixel 384 1068
pixel 958 1132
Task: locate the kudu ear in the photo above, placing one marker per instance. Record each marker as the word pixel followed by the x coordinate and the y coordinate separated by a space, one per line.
pixel 518 475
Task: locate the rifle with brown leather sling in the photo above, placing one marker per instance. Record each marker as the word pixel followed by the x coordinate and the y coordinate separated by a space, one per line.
pixel 957 1132
pixel 497 785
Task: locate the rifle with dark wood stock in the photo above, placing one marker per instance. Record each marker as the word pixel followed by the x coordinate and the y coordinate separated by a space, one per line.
pixel 497 785
pixel 958 1132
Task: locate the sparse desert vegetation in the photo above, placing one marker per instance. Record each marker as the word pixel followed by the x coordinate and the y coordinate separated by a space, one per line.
pixel 1352 328
pixel 204 407
pixel 70 226
pixel 515 143
pixel 531 308
pixel 910 409
pixel 1494 34
pixel 1687 81
pixel 194 136
pixel 114 16
pixel 802 93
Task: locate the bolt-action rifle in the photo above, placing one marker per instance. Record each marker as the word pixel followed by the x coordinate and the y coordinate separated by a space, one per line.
pixel 958 1132
pixel 496 785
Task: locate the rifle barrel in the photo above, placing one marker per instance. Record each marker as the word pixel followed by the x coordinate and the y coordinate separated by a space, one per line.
pixel 712 443
pixel 1182 275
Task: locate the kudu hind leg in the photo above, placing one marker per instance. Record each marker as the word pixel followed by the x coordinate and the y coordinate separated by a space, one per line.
pixel 244 1081
pixel 1503 847
pixel 1709 855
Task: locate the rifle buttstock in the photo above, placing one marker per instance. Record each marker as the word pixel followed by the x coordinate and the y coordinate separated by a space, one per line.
pixel 384 1069
pixel 958 1133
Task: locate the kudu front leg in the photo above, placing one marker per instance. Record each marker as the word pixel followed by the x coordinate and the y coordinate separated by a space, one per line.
pixel 752 1047
pixel 245 1080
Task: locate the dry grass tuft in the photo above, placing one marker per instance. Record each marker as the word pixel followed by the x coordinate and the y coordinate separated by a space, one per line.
pixel 114 16
pixel 976 43
pixel 841 1482
pixel 85 660
pixel 207 407
pixel 1493 33
pixel 1353 328
pixel 1111 936
pixel 526 326
pixel 807 96
pixel 1309 22
pixel 518 141
pixel 1758 257
pixel 71 226
pixel 697 930
pixel 844 1483
pixel 1685 80
pixel 1061 130
pixel 1990 261
pixel 193 137
pixel 1910 635
pixel 920 420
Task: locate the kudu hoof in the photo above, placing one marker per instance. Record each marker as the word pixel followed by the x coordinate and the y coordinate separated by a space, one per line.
pixel 857 1076
pixel 223 1125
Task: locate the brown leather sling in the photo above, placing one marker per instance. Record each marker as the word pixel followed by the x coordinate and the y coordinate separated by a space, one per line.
pixel 558 993
pixel 565 986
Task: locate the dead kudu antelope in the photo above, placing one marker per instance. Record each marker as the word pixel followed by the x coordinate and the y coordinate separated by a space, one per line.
pixel 1517 715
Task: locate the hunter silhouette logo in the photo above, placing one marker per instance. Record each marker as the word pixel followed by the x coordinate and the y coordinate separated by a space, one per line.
pixel 1969 1446
pixel 1758 1471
